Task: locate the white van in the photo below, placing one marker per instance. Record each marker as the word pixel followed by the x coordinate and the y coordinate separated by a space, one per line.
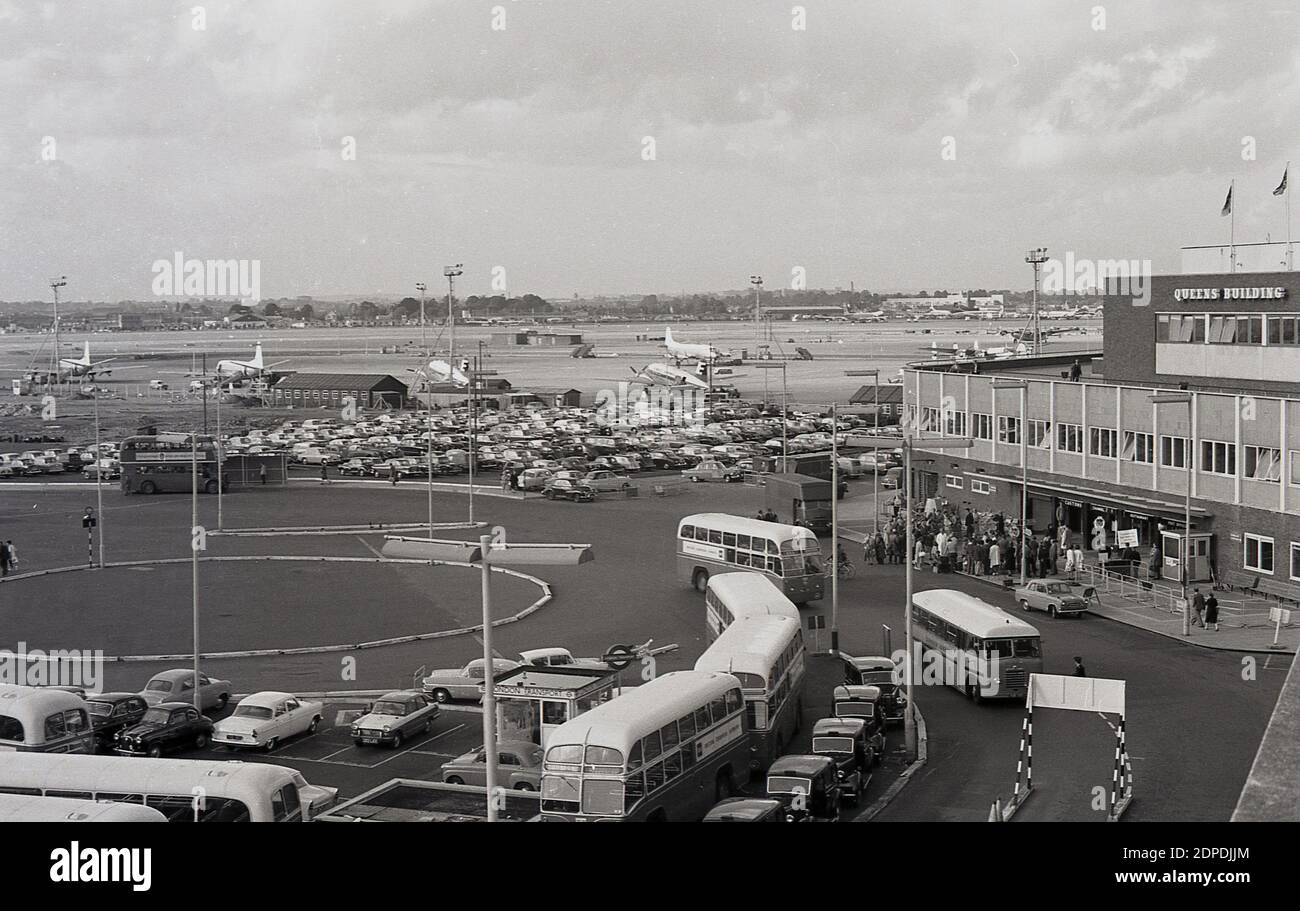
pixel 157 384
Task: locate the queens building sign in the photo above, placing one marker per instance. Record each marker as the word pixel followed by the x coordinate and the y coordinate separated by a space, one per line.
pixel 1229 294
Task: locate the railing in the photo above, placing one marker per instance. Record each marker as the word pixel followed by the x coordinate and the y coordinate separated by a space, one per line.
pixel 1138 587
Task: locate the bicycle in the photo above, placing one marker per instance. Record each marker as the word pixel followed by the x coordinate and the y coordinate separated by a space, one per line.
pixel 846 570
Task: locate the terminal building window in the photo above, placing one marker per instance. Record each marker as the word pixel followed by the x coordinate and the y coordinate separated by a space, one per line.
pixel 1228 328
pixel 1173 452
pixel 954 424
pixel 954 481
pixel 1295 560
pixel 1295 467
pixel 1263 463
pixel 1218 457
pixel 1008 429
pixel 1040 434
pixel 982 426
pixel 1139 447
pixel 1259 553
pixel 1069 437
pixel 1101 442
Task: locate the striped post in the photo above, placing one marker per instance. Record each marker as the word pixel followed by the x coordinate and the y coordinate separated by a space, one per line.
pixel 1126 767
pixel 1024 764
pixel 1117 773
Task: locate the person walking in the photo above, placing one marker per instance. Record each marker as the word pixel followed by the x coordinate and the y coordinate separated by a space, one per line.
pixel 4 559
pixel 970 523
pixel 1076 371
pixel 1069 563
pixel 392 474
pixel 324 473
pixel 1198 608
pixel 1212 612
pixel 1079 669
pixel 995 557
pixel 1045 558
pixel 12 556
pixel 261 473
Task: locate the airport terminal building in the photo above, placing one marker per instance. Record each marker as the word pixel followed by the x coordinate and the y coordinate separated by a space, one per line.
pixel 1104 458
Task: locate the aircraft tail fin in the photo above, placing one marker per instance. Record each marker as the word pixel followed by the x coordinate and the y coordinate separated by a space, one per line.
pixel 668 335
pixel 257 356
pixel 85 353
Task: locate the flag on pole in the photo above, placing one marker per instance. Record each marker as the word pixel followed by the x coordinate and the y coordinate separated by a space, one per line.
pixel 1281 188
pixel 1227 204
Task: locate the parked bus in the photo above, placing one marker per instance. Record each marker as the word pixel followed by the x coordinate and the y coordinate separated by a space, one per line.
pixel 766 654
pixel 736 596
pixel 16 808
pixel 713 543
pixel 666 750
pixel 164 463
pixel 966 632
pixel 183 790
pixel 43 720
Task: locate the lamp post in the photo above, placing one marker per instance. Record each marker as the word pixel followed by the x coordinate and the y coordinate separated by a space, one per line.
pixel 194 562
pixel 785 413
pixel 99 484
pixel 1036 258
pixel 835 531
pixel 905 441
pixel 875 469
pixel 487 555
pixel 999 384
pixel 422 288
pixel 757 282
pixel 1185 544
pixel 451 272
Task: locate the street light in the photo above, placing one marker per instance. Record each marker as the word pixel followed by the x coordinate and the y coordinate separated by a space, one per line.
pixel 757 282
pixel 785 411
pixel 1036 258
pixel 875 469
pixel 487 555
pixel 905 441
pixel 451 272
pixel 1023 386
pixel 1184 547
pixel 422 288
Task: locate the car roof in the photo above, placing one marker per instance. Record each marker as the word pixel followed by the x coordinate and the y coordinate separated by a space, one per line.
pixel 832 726
pixel 267 698
pixel 172 706
pixel 397 696
pixel 867 693
pixel 799 765
pixel 871 663
pixel 111 697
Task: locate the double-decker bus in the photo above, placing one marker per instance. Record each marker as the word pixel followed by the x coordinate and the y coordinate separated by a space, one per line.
pixel 164 463
pixel 14 808
pixel 766 654
pixel 977 648
pixel 666 750
pixel 714 542
pixel 736 596
pixel 183 790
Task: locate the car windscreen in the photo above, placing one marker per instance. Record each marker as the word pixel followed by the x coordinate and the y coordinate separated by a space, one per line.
pixel 100 709
pixel 389 708
pixel 157 716
pixel 252 711
pixel 159 685
pixel 832 744
pixel 788 784
pixel 1026 648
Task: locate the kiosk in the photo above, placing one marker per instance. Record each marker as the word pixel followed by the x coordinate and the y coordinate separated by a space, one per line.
pixel 533 701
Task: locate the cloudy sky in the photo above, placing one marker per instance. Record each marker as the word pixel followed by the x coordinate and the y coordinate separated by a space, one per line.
pixel 130 133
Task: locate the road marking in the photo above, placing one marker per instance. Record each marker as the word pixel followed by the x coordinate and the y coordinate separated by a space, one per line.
pixel 367 546
pixel 445 733
pixel 431 753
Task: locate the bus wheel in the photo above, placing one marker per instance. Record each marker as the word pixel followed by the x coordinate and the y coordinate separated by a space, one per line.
pixel 455 779
pixel 148 487
pixel 210 487
pixel 970 691
pixel 722 788
pixel 524 786
pixel 700 580
pixel 657 816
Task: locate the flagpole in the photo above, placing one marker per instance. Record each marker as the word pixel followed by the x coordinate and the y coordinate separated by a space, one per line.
pixel 1232 227
pixel 1286 191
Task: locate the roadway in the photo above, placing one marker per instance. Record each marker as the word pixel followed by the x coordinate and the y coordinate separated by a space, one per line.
pixel 1194 720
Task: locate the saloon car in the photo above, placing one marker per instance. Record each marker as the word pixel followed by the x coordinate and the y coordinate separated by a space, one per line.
pixel 177 685
pixel 165 727
pixel 1057 598
pixel 393 717
pixel 564 489
pixel 265 720
pixel 519 766
pixel 111 712
pixel 462 683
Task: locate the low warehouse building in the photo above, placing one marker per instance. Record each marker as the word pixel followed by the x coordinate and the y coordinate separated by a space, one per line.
pixel 319 390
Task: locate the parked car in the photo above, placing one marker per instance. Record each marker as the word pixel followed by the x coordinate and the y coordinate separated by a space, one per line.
pixel 394 717
pixel 844 740
pixel 713 470
pixel 111 712
pixel 807 787
pixel 165 728
pixel 264 720
pixel 107 469
pixel 882 673
pixel 604 480
pixel 747 809
pixel 465 682
pixel 560 657
pixel 863 702
pixel 178 686
pixel 565 489
pixel 1058 598
pixel 356 466
pixel 533 479
pixel 519 766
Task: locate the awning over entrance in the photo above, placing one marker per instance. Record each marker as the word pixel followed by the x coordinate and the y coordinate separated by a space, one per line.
pixel 1128 502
